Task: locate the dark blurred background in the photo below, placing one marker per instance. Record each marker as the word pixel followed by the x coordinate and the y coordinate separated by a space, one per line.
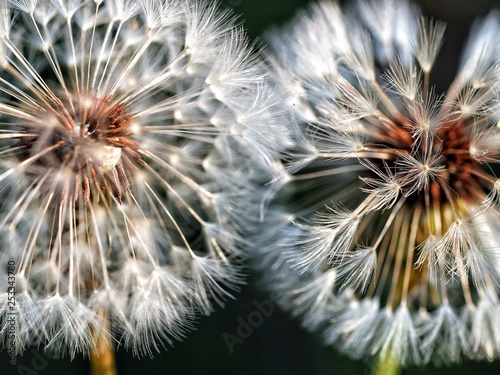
pixel 276 345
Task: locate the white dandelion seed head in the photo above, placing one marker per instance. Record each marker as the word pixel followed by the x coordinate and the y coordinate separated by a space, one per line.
pixel 396 200
pixel 122 199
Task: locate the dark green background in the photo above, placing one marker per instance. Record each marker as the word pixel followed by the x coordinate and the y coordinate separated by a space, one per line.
pixel 278 346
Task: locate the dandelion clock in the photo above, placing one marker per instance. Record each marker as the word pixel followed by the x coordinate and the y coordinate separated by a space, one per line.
pixel 127 133
pixel 388 244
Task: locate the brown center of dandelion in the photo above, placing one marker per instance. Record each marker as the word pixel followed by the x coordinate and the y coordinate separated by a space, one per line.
pixel 452 171
pixel 455 143
pixel 85 145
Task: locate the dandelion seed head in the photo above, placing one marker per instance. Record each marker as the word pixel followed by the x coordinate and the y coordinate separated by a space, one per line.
pixel 123 200
pixel 395 189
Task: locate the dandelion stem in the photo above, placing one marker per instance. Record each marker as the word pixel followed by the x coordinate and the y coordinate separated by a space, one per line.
pixel 387 365
pixel 102 356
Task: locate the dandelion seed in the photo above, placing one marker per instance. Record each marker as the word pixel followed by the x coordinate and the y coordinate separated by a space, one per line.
pixel 121 198
pixel 418 265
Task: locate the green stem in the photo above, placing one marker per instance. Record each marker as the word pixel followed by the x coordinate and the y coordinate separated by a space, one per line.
pixel 386 365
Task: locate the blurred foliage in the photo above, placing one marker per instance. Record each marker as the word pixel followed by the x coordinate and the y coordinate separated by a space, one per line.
pixel 259 15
